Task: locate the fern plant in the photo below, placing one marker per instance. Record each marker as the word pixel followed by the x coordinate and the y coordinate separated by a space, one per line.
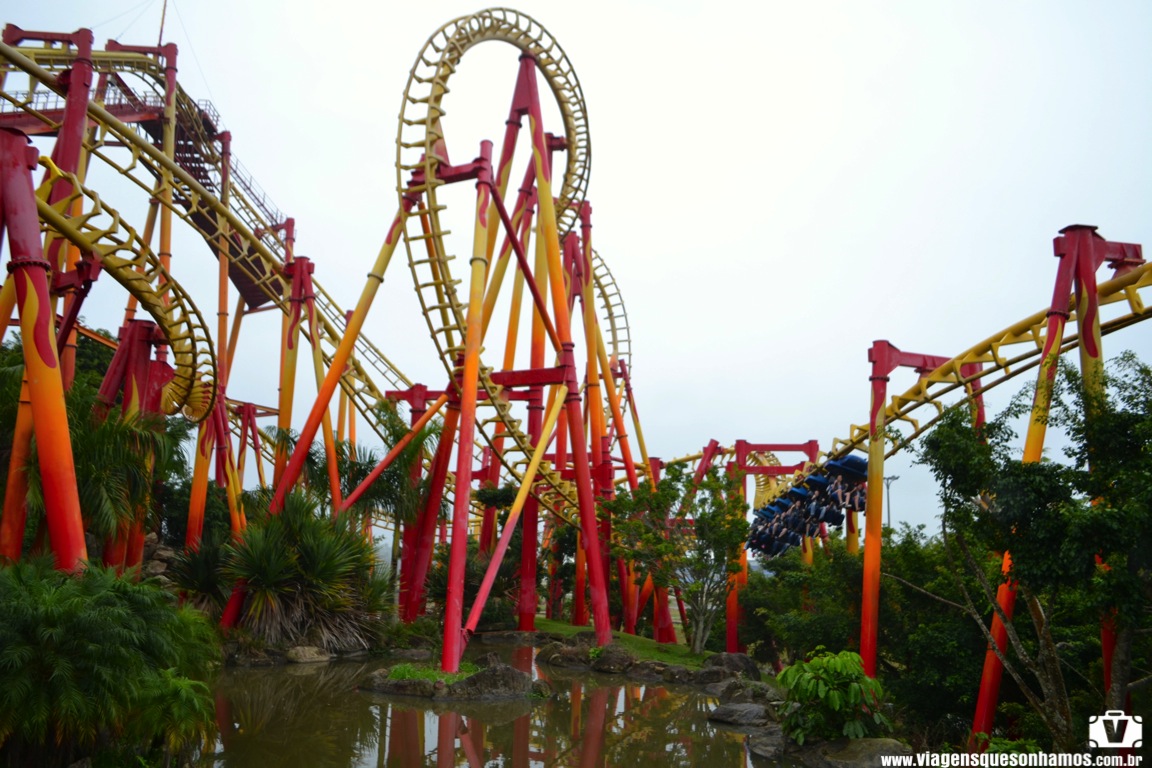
pixel 830 696
pixel 94 663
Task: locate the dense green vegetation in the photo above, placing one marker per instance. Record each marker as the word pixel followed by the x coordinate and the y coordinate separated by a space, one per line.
pixel 1078 531
pixel 424 672
pixel 95 665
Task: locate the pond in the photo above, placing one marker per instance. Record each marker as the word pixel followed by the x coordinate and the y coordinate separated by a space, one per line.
pixel 313 716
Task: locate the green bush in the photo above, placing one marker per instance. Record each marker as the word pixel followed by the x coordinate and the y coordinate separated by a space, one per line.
pixel 94 664
pixel 309 578
pixel 830 696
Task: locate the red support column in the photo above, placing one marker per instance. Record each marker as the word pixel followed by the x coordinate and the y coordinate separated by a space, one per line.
pixel 580 585
pixel 42 366
pixel 1081 252
pixel 732 615
pixel 426 524
pixel 527 604
pixel 468 383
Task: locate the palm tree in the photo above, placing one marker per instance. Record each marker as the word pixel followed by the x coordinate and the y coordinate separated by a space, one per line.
pixel 117 460
pixel 309 578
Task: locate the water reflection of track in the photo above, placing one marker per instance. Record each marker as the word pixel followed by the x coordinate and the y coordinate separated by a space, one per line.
pixel 304 715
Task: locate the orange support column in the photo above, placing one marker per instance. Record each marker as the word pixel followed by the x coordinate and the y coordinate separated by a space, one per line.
pixel 736 582
pixel 15 512
pixel 580 584
pixel 289 352
pixel 198 495
pixel 885 358
pixel 340 358
pixel 873 524
pixel 469 386
pixel 41 364
pixel 587 503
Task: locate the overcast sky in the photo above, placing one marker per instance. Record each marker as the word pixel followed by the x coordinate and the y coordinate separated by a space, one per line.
pixel 775 184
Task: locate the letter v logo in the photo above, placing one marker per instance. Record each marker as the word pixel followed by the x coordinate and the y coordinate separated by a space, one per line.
pixel 1114 729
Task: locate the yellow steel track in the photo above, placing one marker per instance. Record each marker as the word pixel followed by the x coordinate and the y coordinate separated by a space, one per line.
pixel 256 250
pixel 419 140
pixel 1004 355
pixel 99 230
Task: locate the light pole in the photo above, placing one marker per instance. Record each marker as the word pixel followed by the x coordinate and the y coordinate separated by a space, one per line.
pixel 888 494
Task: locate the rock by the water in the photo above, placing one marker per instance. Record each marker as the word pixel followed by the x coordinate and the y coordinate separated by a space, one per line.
pixel 587 637
pixel 851 753
pixel 379 682
pixel 559 655
pixel 155 567
pixel 613 660
pixel 308 654
pixel 710 675
pixel 648 670
pixel 737 691
pixel 739 663
pixel 541 689
pixel 374 678
pixel 163 553
pixel 768 742
pixel 740 714
pixel 247 657
pixel 499 681
pixel 678 674
pixel 411 654
pixel 716 690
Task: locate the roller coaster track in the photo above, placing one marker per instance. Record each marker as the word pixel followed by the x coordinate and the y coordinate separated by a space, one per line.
pixel 613 312
pixel 248 223
pixel 99 230
pixel 127 110
pixel 767 486
pixel 420 149
pixel 1001 357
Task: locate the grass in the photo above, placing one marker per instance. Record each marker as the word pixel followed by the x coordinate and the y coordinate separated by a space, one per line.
pixel 419 672
pixel 642 648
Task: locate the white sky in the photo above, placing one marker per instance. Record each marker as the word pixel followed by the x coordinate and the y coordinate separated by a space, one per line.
pixel 775 184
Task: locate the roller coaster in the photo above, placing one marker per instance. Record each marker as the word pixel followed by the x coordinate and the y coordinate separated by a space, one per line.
pixel 551 410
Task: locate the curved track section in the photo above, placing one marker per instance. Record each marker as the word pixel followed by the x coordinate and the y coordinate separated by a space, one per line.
pixel 420 150
pixel 613 315
pixel 1001 357
pixel 127 116
pixel 419 145
pixel 128 260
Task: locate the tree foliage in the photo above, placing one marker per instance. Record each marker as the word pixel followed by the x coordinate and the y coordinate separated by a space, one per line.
pixel 1078 533
pixel 929 651
pixel 685 536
